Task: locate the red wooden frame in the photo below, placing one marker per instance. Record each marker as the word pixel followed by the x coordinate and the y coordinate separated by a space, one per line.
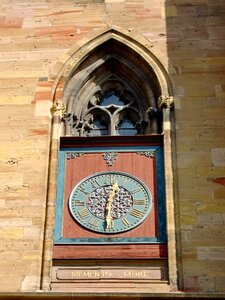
pixel 71 229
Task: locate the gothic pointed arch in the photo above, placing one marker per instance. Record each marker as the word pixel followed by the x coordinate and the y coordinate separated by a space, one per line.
pixel 113 65
pixel 114 84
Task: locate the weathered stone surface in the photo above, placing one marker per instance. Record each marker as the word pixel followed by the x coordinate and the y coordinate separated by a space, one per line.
pixel 36 39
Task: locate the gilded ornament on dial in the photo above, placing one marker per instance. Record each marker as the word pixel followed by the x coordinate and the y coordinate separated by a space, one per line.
pixel 110 202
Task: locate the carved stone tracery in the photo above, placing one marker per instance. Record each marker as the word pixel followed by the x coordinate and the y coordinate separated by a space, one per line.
pixel 117 71
pixel 100 115
pixel 75 121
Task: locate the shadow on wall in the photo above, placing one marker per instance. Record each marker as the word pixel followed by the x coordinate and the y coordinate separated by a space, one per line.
pixel 195 37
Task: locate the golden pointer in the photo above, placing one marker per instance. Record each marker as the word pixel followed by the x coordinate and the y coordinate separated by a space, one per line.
pixel 109 206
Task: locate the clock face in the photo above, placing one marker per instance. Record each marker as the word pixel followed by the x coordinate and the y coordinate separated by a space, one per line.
pixel 110 202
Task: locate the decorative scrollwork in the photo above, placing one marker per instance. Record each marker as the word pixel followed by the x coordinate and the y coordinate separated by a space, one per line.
pixel 73 155
pixel 122 203
pixel 110 157
pixel 148 154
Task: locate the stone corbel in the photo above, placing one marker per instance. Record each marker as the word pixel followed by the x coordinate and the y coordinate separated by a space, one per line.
pixel 58 109
pixel 153 112
pixel 141 126
pixel 67 118
pixel 165 102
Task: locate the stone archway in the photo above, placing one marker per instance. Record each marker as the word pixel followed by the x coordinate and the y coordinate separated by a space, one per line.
pixel 73 72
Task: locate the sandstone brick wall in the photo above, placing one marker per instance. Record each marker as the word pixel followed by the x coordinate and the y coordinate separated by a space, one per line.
pixel 34 37
pixel 196 52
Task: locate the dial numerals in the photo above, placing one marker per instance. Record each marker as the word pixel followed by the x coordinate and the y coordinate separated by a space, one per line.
pixel 79 203
pixel 125 222
pixel 139 202
pixel 110 202
pixel 94 222
pixel 136 213
pixel 83 213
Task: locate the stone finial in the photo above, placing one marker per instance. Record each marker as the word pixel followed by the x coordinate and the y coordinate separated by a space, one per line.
pixel 58 108
pixel 165 102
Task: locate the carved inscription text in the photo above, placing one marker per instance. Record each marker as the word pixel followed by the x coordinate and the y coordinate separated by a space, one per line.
pixel 96 274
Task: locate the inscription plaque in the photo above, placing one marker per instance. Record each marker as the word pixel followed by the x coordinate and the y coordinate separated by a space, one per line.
pixel 74 274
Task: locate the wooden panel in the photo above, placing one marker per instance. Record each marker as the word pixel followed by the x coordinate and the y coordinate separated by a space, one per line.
pixel 146 240
pixel 90 163
pixel 110 251
pixel 115 141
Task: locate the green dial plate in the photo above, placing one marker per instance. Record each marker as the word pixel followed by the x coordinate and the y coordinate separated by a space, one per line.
pixel 110 202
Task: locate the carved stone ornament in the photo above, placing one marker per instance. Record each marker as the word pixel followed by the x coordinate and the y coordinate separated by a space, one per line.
pixel 73 155
pixel 110 157
pixel 153 112
pixel 165 102
pixel 58 108
pixel 148 154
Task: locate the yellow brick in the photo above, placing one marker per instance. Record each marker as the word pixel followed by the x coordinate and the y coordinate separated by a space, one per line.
pixel 210 171
pixel 187 172
pixel 188 207
pixel 32 233
pixel 2 203
pixel 219 283
pixel 8 165
pixel 32 211
pixel 13 233
pixel 202 194
pixel 6 282
pixel 14 193
pixel 16 99
pixel 14 222
pixel 188 219
pixel 31 256
pixel 213 207
pixel 211 253
pixel 189 253
pixel 194 268
pixel 207 284
pixel 10 212
pixel 199 237
pixel 25 144
pixel 211 60
pixel 216 267
pixel 171 11
pixel 190 159
pixel 14 255
pixel 11 179
pixel 219 192
pixel 37 221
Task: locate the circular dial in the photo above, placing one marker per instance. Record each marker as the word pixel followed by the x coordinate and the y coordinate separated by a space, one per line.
pixel 110 202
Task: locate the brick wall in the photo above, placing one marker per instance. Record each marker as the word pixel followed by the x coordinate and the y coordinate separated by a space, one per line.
pixel 34 38
pixel 196 48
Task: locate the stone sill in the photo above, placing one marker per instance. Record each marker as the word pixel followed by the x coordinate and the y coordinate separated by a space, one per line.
pixel 108 296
